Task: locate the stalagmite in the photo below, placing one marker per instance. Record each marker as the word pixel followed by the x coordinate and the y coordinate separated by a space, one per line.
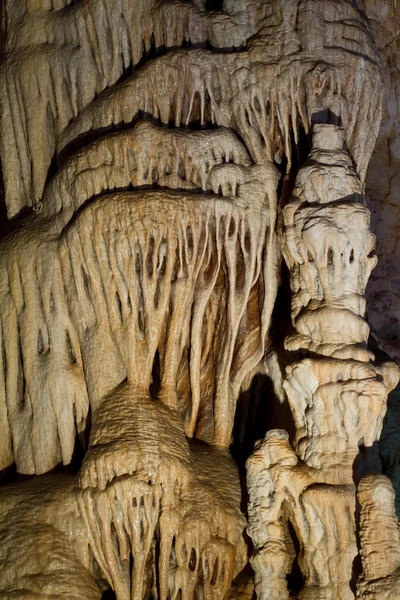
pixel 336 395
pixel 380 539
pixel 155 169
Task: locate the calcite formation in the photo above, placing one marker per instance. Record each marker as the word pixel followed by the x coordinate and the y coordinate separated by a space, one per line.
pixel 336 394
pixel 159 158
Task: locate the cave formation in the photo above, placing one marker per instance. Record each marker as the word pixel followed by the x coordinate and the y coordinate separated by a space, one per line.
pixel 194 377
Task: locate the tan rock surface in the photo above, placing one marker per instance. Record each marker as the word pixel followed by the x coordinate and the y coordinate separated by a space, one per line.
pixel 148 155
pixel 305 498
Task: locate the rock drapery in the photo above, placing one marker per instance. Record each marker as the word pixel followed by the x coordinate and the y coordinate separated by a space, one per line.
pixel 151 151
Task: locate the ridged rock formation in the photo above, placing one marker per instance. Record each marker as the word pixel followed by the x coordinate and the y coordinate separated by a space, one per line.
pixel 151 150
pixel 336 395
pixel 380 540
pixel 161 531
pixel 383 194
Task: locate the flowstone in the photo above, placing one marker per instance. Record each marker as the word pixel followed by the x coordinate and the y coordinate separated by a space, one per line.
pixel 159 157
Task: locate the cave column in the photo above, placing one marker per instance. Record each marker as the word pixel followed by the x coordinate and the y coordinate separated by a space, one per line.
pixel 336 394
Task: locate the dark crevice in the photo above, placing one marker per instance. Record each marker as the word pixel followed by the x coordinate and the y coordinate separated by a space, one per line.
pixel 70 350
pixel 326 116
pixel 77 456
pixel 300 151
pixel 118 303
pixel 295 578
pixel 214 4
pixel 155 385
pixel 252 418
pixel 8 475
pixel 81 445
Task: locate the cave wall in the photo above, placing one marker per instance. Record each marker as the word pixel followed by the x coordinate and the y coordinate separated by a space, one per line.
pixel 383 185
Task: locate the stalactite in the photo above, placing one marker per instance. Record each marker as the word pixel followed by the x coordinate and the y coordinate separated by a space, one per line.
pixel 89 36
pixel 137 300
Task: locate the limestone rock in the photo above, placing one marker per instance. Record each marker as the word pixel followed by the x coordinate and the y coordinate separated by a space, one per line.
pixel 380 539
pixel 303 500
pixel 152 160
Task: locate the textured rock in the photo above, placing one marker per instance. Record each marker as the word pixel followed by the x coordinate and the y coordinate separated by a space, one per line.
pixel 383 187
pixel 383 197
pixel 379 538
pixel 147 533
pixel 337 396
pixel 286 495
pixel 148 151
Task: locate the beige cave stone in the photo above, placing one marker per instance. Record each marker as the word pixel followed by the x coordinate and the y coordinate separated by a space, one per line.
pixel 166 166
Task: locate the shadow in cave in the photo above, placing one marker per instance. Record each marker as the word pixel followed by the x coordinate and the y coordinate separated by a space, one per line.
pixel 366 462
pixel 8 475
pixel 80 449
pixel 214 4
pixel 326 116
pixel 295 579
pixel 259 409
